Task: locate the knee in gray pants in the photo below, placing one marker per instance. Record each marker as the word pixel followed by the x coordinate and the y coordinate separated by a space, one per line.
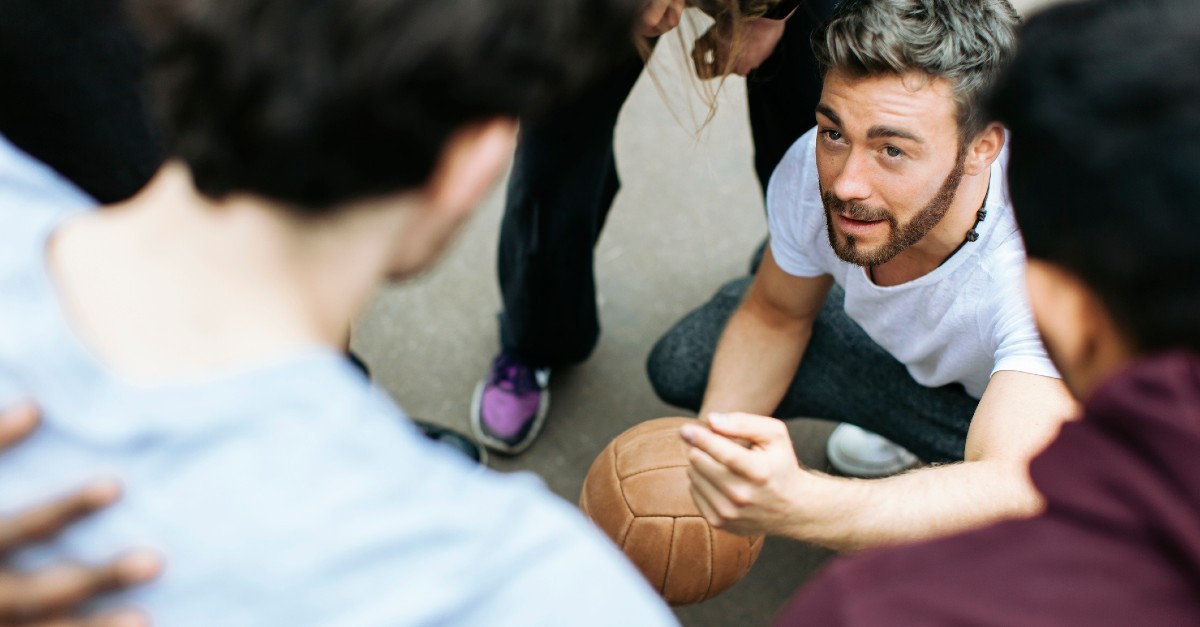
pixel 679 363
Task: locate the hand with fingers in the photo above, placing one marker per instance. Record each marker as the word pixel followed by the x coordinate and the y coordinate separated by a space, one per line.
pixel 53 596
pixel 660 16
pixel 744 472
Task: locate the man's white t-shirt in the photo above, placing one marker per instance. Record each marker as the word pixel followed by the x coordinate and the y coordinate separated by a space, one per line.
pixel 961 323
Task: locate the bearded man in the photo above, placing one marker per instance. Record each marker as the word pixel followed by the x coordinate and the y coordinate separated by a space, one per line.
pixel 891 298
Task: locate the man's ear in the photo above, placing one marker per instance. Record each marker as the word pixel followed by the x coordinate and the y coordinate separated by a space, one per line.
pixel 471 161
pixel 984 149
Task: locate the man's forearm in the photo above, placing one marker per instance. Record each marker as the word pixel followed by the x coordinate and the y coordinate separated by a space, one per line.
pixel 756 359
pixel 850 514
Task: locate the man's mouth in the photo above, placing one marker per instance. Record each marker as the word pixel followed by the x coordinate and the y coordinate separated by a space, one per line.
pixel 854 221
pixel 853 227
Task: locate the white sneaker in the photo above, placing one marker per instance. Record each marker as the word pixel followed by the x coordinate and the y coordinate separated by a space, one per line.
pixel 859 453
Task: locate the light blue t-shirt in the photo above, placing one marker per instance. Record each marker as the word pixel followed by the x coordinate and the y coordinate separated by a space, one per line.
pixel 289 493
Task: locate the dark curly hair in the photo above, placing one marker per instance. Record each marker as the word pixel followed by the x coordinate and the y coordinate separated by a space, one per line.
pixel 317 102
pixel 1103 106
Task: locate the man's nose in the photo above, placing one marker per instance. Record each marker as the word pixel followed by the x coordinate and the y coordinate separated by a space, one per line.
pixel 852 183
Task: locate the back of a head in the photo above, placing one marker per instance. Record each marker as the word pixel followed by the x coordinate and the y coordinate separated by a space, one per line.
pixel 313 103
pixel 966 42
pixel 1103 105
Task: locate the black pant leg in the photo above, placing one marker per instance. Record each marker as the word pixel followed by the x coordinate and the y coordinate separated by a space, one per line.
pixel 71 77
pixel 563 182
pixel 784 91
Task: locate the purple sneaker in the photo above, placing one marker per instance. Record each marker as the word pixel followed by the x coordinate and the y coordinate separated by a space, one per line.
pixel 509 407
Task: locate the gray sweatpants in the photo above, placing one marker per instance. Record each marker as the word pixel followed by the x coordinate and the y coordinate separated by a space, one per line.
pixel 844 376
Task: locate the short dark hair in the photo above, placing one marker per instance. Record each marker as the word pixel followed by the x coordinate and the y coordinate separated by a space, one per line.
pixel 966 42
pixel 1103 105
pixel 318 102
pixel 71 75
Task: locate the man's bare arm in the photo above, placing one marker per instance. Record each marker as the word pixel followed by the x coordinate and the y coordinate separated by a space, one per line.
pixel 761 347
pixel 763 489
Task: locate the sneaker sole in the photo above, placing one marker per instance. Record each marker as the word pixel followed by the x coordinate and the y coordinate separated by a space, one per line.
pixel 483 451
pixel 500 446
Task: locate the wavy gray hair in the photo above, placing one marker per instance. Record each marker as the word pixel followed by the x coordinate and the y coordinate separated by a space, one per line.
pixel 967 42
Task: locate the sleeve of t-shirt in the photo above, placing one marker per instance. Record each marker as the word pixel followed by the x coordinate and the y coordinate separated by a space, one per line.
pixel 10 392
pixel 791 220
pixel 1017 344
pixel 568 573
pixel 26 183
pixel 29 192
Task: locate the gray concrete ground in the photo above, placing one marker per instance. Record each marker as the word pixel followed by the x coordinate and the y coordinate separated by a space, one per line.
pixel 687 219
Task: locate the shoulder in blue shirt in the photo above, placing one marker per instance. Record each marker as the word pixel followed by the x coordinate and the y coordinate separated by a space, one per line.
pixel 286 493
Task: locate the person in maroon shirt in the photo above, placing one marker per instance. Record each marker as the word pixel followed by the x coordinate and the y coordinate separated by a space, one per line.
pixel 1103 106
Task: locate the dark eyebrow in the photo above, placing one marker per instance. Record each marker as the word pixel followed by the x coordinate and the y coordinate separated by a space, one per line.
pixel 883 131
pixel 826 111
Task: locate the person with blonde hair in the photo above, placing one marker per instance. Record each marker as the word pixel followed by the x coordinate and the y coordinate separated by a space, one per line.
pixel 565 178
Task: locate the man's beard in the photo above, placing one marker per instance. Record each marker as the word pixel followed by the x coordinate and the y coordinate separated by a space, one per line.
pixel 899 238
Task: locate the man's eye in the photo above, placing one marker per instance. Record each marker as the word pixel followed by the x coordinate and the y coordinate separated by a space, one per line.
pixel 833 135
pixel 893 151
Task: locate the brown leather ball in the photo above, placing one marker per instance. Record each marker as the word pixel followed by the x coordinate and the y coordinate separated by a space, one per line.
pixel 637 492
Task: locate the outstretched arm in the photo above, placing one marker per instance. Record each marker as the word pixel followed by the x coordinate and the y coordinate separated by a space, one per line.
pixel 746 478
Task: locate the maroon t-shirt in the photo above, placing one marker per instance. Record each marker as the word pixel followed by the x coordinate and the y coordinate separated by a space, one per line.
pixel 1118 544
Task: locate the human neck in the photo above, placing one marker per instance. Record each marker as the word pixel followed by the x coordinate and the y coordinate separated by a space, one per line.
pixel 191 284
pixel 943 240
pixel 1107 354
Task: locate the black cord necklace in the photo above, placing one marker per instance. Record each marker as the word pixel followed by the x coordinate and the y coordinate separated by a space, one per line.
pixel 972 233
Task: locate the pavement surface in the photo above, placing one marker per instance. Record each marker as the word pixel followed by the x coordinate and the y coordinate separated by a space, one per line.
pixel 687 219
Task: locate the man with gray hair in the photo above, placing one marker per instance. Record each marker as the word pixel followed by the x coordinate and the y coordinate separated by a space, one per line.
pixel 891 297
